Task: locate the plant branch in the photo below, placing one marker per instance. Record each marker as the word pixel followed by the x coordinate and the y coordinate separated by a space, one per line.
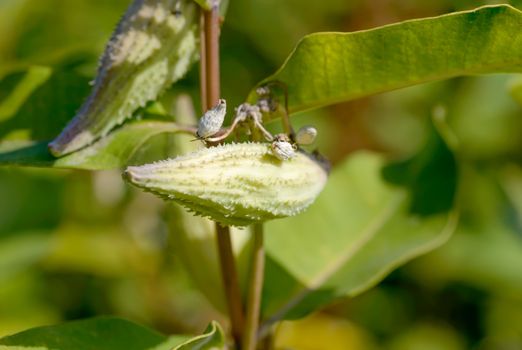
pixel 255 288
pixel 211 51
pixel 210 87
pixel 230 282
pixel 202 65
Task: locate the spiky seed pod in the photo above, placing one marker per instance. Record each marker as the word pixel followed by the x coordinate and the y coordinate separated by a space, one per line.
pixel 306 135
pixel 235 184
pixel 211 122
pixel 152 47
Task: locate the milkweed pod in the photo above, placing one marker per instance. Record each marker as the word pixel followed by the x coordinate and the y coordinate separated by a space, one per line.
pixel 235 184
pixel 151 48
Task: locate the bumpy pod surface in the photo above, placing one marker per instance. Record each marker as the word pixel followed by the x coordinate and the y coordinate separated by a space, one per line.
pixel 151 48
pixel 235 184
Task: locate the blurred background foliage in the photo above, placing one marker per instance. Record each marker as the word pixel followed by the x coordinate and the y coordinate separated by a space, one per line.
pixel 78 244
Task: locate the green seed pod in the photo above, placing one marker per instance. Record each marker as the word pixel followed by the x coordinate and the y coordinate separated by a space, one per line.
pixel 152 47
pixel 235 184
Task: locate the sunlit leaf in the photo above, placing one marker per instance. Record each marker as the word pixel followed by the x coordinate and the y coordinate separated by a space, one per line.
pixel 153 46
pixel 107 333
pixel 111 152
pixel 327 68
pixel 359 229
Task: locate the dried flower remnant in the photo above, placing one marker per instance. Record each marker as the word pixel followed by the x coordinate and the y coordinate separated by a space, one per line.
pixel 211 122
pixel 306 135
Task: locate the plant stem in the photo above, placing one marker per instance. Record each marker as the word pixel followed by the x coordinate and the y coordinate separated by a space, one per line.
pixel 211 60
pixel 210 87
pixel 255 288
pixel 230 282
pixel 202 66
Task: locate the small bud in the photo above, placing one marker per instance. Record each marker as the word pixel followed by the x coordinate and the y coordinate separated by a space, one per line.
pixel 283 150
pixel 263 91
pixel 235 184
pixel 211 122
pixel 264 105
pixel 306 135
pixel 246 110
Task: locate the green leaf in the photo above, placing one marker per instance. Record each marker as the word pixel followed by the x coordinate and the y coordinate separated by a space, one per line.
pixel 35 76
pixel 212 339
pixel 37 101
pixel 327 68
pixel 153 46
pixel 486 250
pixel 430 194
pixel 359 229
pixel 113 151
pixel 108 333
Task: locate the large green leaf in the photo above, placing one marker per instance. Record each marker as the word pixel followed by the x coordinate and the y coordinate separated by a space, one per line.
pixel 360 229
pixel 29 96
pixel 146 54
pixel 108 333
pixel 111 152
pixel 327 68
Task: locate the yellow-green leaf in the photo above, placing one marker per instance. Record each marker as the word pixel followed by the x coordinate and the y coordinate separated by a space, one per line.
pixel 109 333
pixel 327 68
pixel 111 152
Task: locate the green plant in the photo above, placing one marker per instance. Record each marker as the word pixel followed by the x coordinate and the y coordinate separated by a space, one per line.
pixel 398 210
